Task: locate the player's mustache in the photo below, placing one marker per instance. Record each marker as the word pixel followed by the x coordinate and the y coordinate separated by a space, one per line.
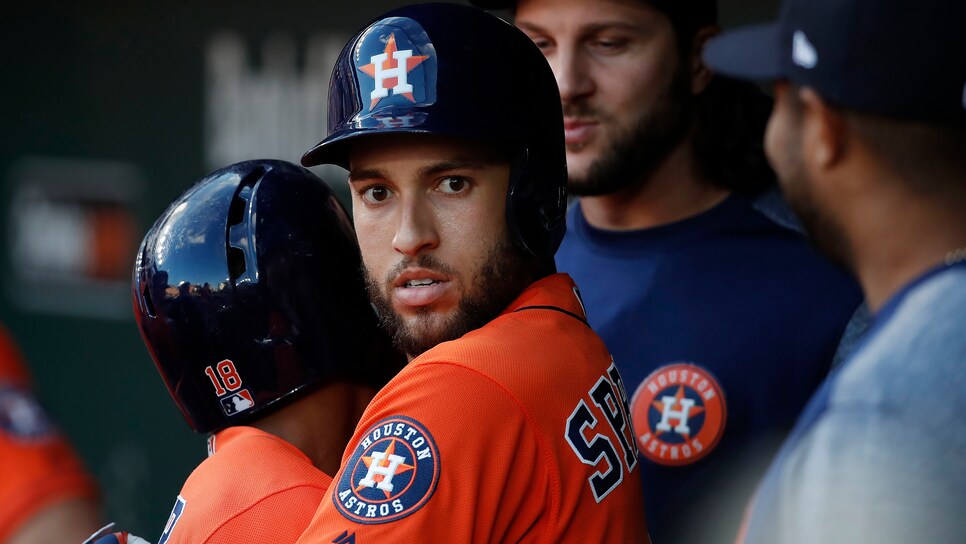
pixel 580 110
pixel 424 260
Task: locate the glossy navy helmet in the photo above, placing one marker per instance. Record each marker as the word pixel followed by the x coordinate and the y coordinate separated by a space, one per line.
pixel 457 71
pixel 247 290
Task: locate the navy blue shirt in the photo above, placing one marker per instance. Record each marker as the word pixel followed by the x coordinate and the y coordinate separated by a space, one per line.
pixel 722 325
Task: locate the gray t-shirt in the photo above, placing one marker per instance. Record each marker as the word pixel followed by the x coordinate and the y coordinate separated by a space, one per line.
pixel 879 455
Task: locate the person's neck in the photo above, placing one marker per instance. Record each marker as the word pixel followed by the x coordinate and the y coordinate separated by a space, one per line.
pixel 896 235
pixel 321 422
pixel 675 190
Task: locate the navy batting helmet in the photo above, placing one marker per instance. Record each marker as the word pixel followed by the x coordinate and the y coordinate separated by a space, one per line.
pixel 457 71
pixel 248 290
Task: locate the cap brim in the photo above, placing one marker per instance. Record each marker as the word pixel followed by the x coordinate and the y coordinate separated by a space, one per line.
pixel 751 52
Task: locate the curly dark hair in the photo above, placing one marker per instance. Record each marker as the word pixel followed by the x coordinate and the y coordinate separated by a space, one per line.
pixel 731 115
pixel 729 140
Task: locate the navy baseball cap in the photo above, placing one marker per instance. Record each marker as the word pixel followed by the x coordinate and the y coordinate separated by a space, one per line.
pixel 903 59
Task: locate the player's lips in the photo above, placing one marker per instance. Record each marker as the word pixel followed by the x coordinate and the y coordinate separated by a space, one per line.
pixel 420 287
pixel 578 131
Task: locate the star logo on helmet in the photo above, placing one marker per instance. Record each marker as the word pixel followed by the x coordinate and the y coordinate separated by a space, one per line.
pixel 390 69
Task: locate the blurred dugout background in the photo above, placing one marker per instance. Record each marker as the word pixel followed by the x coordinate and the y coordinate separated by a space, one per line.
pixel 107 112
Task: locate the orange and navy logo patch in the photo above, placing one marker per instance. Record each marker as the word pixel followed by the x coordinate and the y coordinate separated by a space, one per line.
pixel 679 413
pixel 392 473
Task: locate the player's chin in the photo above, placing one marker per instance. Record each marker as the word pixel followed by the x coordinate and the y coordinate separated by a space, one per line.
pixel 581 161
pixel 419 333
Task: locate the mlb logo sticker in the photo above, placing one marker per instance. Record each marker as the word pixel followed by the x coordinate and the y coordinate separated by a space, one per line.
pixel 679 413
pixel 392 473
pixel 236 403
pixel 396 67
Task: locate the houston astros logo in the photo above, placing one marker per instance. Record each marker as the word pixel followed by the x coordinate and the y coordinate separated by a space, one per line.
pixel 679 414
pixel 391 474
pixel 391 70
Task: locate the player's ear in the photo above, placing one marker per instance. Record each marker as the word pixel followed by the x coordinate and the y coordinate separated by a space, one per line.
pixel 700 73
pixel 823 131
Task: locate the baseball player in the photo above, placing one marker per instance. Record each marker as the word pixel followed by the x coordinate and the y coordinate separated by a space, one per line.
pixel 45 493
pixel 248 295
pixel 510 422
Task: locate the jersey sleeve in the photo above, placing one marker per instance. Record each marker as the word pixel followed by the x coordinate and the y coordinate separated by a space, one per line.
pixel 37 465
pixel 447 451
pixel 255 488
pixel 273 520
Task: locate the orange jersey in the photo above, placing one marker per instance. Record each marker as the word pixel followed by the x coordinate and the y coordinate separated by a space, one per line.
pixel 37 466
pixel 516 432
pixel 253 487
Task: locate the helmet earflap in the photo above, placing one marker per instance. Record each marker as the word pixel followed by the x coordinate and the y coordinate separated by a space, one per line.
pixel 536 218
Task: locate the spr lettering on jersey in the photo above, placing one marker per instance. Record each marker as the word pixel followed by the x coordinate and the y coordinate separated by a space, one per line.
pixel 609 400
pixel 392 473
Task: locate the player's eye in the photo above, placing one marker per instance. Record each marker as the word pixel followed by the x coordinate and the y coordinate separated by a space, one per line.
pixel 452 185
pixel 375 194
pixel 542 43
pixel 609 45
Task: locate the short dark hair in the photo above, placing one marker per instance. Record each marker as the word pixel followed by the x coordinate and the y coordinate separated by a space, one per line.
pixel 687 17
pixel 930 158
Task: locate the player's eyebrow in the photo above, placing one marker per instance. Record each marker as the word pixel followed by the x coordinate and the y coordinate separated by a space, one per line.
pixel 458 163
pixel 591 28
pixel 357 174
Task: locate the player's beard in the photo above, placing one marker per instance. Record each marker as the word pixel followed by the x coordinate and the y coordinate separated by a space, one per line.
pixel 505 271
pixel 824 232
pixel 636 152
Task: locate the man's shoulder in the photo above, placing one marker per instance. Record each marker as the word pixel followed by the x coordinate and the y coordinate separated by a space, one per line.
pixel 914 356
pixel 233 485
pixel 251 466
pixel 517 357
pixel 547 328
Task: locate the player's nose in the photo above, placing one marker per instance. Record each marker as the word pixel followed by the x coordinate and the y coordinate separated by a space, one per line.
pixel 416 229
pixel 572 72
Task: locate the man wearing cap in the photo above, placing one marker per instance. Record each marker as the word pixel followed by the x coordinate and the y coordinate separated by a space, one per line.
pixel 721 318
pixel 868 138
